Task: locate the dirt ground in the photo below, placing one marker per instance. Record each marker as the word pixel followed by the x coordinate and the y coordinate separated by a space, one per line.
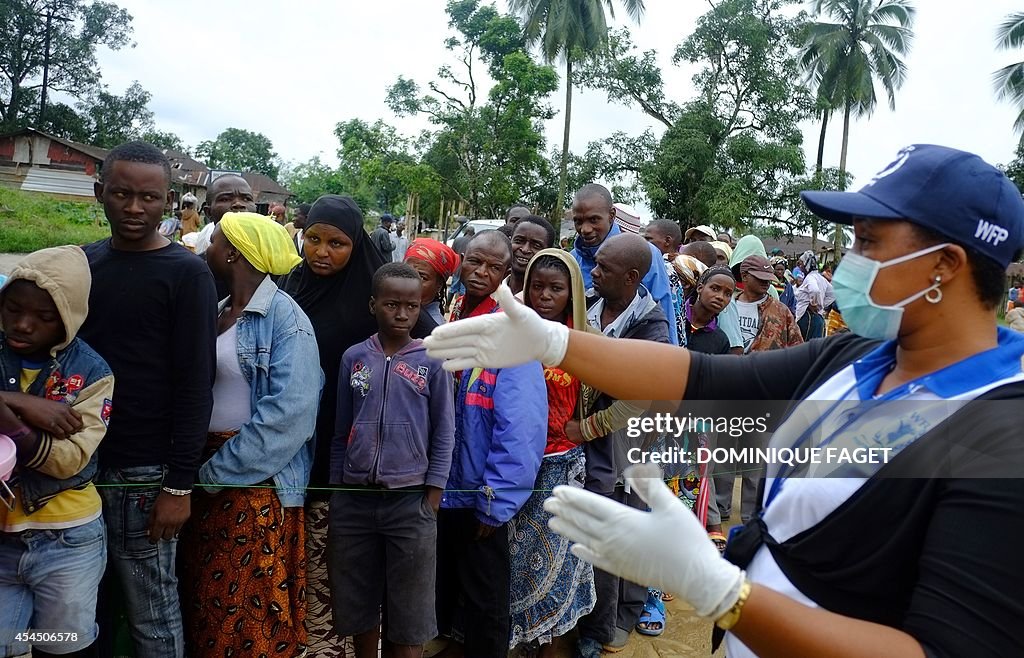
pixel 686 635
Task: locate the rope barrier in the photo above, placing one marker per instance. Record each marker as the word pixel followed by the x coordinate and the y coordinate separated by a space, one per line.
pixel 356 488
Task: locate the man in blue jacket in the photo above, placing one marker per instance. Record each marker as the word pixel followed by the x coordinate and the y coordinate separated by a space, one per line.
pixel 501 420
pixel 594 217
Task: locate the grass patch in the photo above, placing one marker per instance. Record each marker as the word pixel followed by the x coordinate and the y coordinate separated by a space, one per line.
pixel 30 221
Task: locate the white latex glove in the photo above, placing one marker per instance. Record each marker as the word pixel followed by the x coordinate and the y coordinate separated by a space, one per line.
pixel 665 548
pixel 499 340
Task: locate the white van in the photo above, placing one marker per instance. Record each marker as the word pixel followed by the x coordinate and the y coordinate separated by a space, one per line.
pixel 478 225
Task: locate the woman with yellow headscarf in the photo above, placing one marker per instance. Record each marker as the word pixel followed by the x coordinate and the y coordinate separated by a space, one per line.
pixel 250 528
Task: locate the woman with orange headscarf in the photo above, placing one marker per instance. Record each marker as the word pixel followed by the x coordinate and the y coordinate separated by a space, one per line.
pixel 435 262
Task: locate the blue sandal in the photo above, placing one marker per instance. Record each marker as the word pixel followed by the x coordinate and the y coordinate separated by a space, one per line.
pixel 654 613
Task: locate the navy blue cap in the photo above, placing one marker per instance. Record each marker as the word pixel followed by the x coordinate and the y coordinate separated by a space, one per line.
pixel 951 192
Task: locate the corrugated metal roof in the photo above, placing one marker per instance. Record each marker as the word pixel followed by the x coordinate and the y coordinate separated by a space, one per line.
pixel 262 183
pixel 795 244
pixel 58 182
pixel 94 152
pixel 183 161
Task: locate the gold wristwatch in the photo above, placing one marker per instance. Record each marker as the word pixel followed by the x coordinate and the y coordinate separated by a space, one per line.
pixel 732 616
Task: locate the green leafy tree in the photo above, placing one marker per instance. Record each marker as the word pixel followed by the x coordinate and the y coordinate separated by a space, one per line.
pixel 376 169
pixel 619 159
pixel 1015 170
pixel 866 42
pixel 55 41
pixel 105 119
pixel 487 149
pixel 1009 80
pixel 240 150
pixel 730 155
pixel 164 140
pixel 312 179
pixel 114 119
pixel 567 30
pixel 365 152
pixel 825 85
pixel 624 74
pixel 798 219
pixel 62 120
pixel 374 159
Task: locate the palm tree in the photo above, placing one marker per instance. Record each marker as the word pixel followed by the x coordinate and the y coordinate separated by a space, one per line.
pixel 823 80
pixel 1009 80
pixel 866 43
pixel 566 29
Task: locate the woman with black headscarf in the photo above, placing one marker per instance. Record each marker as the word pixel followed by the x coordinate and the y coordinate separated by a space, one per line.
pixel 332 286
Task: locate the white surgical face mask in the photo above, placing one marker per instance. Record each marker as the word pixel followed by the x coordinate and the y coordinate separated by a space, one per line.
pixel 852 283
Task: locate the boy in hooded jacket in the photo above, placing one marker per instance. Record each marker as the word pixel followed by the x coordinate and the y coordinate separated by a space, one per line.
pixel 55 402
pixel 391 454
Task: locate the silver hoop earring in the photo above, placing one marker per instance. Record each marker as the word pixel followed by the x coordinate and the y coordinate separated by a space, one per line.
pixel 933 299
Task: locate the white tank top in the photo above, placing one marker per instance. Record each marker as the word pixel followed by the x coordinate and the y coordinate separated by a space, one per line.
pixel 232 406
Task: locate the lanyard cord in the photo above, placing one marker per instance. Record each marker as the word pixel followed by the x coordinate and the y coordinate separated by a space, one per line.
pixel 853 416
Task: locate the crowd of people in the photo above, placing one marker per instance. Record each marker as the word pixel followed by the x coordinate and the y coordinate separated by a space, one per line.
pixel 909 556
pixel 253 446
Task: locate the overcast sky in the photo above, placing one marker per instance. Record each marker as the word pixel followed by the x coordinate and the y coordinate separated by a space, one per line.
pixel 292 70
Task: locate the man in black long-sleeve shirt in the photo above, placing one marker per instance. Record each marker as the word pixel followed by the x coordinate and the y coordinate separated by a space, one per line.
pixel 152 316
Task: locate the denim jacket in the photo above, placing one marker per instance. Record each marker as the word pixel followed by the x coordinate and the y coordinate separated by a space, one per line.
pixel 278 355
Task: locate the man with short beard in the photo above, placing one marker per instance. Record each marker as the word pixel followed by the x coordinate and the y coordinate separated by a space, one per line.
pixel 530 235
pixel 593 215
pixel 227 193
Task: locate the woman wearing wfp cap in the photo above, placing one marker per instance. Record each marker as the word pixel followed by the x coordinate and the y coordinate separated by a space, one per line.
pixel 244 558
pixel 917 556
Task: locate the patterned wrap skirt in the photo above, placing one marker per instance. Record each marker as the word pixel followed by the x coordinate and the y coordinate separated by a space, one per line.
pixel 688 481
pixel 244 573
pixel 551 587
